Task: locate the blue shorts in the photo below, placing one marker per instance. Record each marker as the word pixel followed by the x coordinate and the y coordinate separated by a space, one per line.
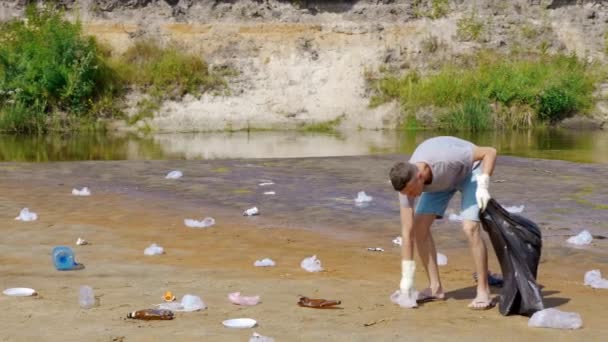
pixel 436 202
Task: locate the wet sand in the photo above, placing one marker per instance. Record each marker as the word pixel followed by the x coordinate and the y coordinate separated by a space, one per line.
pixel 132 206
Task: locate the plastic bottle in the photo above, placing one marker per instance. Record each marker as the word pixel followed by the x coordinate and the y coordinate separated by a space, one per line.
pixel 151 314
pixel 63 258
pixel 86 297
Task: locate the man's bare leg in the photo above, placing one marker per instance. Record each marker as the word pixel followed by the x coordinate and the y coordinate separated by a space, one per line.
pixel 480 257
pixel 428 255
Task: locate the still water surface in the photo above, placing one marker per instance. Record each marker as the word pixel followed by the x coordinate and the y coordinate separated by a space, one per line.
pixel 578 146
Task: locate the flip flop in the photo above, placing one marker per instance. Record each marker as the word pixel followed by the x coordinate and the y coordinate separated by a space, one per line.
pixel 425 298
pixel 488 305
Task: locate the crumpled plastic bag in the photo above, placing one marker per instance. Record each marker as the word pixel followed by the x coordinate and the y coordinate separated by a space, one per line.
pixel 582 238
pixel 594 279
pixel 251 212
pixel 362 197
pixel 189 303
pixel 311 264
pixel 398 241
pixel 405 300
pixel 174 175
pixel 206 223
pixel 82 192
pixel 554 318
pixel 154 249
pixel 517 243
pixel 266 262
pixel 442 259
pixel 25 215
pixel 260 338
pixel 515 209
pixel 236 298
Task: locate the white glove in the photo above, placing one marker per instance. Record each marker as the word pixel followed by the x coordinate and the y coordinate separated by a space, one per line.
pixel 482 195
pixel 408 268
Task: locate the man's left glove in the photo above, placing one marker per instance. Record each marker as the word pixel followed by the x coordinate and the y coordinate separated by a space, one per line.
pixel 482 195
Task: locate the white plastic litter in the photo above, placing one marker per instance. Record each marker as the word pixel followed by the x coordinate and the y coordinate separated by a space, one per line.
pixel 86 297
pixel 269 193
pixel 266 262
pixel 398 241
pixel 594 279
pixel 266 183
pixel 260 338
pixel 174 175
pixel 251 212
pixel 81 242
pixel 82 192
pixel 311 264
pixel 442 259
pixel 363 198
pixel 554 318
pixel 205 223
pixel 25 215
pixel 583 238
pixel 236 298
pixel 19 292
pixel 455 217
pixel 404 300
pixel 375 249
pixel 515 209
pixel 189 303
pixel 154 249
pixel 240 323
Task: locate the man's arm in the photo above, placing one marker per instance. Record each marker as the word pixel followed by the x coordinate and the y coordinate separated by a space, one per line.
pixel 488 157
pixel 407 233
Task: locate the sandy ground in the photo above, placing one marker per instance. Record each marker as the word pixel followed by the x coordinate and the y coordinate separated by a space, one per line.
pixel 132 206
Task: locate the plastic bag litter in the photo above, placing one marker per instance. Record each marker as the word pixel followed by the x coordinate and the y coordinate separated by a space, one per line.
pixel 270 193
pixel 311 264
pixel 266 183
pixel 375 249
pixel 251 212
pixel 266 262
pixel 363 198
pixel 82 192
pixel 236 298
pixel 25 215
pixel 81 242
pixel 206 223
pixel 517 243
pixel 594 279
pixel 515 209
pixel 442 259
pixel 260 338
pixel 404 300
pixel 174 175
pixel 154 249
pixel 554 318
pixel 398 241
pixel 455 217
pixel 189 303
pixel 582 238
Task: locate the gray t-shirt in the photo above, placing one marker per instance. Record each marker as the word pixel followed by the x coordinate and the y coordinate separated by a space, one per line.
pixel 450 160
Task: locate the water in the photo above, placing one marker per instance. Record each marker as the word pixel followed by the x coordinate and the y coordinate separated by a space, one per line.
pixel 578 146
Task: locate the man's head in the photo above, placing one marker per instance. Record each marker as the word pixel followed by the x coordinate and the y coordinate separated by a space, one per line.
pixel 406 179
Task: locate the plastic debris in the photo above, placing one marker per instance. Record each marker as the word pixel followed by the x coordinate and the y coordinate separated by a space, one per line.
pixel 269 193
pixel 442 259
pixel 251 212
pixel 174 175
pixel 363 198
pixel 515 209
pixel 86 297
pixel 398 241
pixel 205 223
pixel 260 338
pixel 168 296
pixel 583 238
pixel 317 303
pixel 81 242
pixel 240 323
pixel 25 215
pixel 455 217
pixel 83 192
pixel 375 249
pixel 236 298
pixel 20 292
pixel 266 262
pixel 311 264
pixel 189 303
pixel 64 259
pixel 266 183
pixel 404 300
pixel 151 314
pixel 594 279
pixel 554 318
pixel 154 249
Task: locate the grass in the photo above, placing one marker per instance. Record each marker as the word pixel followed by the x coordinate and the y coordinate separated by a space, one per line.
pixel 328 127
pixel 469 28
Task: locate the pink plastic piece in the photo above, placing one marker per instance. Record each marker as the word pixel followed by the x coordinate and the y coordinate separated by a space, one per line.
pixel 237 299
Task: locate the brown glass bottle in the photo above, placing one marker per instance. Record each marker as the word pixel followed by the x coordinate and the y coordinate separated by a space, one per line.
pixel 151 314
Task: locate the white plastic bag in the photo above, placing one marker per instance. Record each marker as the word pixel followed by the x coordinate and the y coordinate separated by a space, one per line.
pixel 398 241
pixel 442 259
pixel 81 242
pixel 515 209
pixel 404 300
pixel 83 192
pixel 363 198
pixel 311 264
pixel 236 298
pixel 206 223
pixel 174 174
pixel 266 262
pixel 554 318
pixel 270 193
pixel 189 303
pixel 25 215
pixel 251 212
pixel 583 238
pixel 455 217
pixel 154 249
pixel 594 279
pixel 260 338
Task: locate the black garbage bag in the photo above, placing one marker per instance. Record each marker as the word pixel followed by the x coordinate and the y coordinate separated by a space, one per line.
pixel 517 243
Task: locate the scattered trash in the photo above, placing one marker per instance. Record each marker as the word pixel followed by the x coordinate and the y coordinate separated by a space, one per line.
pixel 404 300
pixel 442 259
pixel 264 263
pixel 398 241
pixel 81 242
pixel 266 183
pixel 151 314
pixel 251 212
pixel 515 209
pixel 375 249
pixel 83 192
pixel 86 297
pixel 362 199
pixel 25 215
pixel 205 223
pixel 154 249
pixel 554 318
pixel 311 264
pixel 369 324
pixel 20 292
pixel 594 279
pixel 270 193
pixel 189 303
pixel 174 175
pixel 240 323
pixel 236 298
pixel 260 338
pixel 168 296
pixel 317 303
pixel 583 238
pixel 63 258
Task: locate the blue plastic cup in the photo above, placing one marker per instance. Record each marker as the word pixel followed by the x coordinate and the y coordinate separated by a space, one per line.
pixel 63 258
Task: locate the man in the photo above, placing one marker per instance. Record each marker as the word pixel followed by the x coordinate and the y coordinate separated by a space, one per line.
pixel 438 168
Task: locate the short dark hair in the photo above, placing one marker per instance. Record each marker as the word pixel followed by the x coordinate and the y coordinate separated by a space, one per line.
pixel 401 173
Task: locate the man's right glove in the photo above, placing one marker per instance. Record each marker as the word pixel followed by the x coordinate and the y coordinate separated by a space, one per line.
pixel 482 195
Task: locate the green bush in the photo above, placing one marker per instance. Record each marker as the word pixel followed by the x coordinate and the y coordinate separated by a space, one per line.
pixel 469 28
pixel 472 115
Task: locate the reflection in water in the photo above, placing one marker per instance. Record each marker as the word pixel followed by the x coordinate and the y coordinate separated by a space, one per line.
pixel 588 146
